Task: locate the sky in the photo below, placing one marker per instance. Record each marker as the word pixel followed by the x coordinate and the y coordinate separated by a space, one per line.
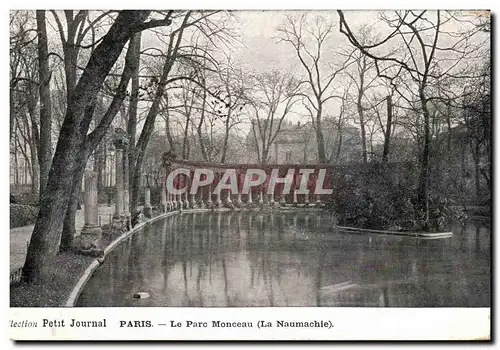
pixel 259 49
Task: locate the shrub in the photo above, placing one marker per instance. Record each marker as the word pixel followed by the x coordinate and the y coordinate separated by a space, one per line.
pixel 378 196
pixel 22 215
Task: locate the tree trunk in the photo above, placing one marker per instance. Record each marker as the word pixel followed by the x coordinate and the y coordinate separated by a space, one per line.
pixel 265 155
pixel 45 240
pixel 45 146
pixel 32 137
pixel 477 169
pixel 339 148
pixel 149 123
pixel 199 129
pixel 99 166
pixel 35 169
pixel 69 226
pixel 12 110
pixel 135 44
pixel 387 138
pixel 185 141
pixel 423 187
pixel 362 125
pixel 320 138
pixel 226 139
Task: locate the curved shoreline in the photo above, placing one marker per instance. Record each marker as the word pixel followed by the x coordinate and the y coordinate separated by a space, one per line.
pixel 82 281
pixel 87 274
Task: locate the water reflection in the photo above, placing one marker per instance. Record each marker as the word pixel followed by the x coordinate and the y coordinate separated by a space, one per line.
pixel 290 259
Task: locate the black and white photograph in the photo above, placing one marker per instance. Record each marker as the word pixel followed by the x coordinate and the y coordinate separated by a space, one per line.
pixel 212 161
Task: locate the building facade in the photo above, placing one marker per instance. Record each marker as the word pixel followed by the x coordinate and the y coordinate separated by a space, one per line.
pixel 297 143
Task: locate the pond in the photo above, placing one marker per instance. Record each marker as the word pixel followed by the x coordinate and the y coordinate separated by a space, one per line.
pixel 239 259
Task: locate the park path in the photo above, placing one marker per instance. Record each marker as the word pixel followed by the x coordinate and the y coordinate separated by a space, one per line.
pixel 20 236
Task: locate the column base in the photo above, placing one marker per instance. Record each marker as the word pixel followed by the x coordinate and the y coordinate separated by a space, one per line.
pixel 90 241
pixel 148 211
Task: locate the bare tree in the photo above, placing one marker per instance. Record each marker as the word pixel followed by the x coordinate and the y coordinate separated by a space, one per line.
pixel 273 98
pixel 422 59
pixel 74 143
pixel 308 42
pixel 45 144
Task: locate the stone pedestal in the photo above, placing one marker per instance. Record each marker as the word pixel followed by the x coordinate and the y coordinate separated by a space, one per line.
pixel 194 205
pixel 148 210
pixel 90 238
pixel 209 199
pixel 283 200
pixel 218 201
pixel 271 199
pixel 250 200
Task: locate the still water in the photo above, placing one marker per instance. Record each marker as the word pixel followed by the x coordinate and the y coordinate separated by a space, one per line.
pixel 238 259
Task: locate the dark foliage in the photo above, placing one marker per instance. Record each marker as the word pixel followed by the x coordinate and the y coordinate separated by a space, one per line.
pixel 378 196
pixel 22 215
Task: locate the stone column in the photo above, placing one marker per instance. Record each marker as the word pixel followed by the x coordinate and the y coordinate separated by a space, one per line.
pixel 218 201
pixel 295 203
pixel 178 201
pixel 194 205
pixel 200 196
pixel 209 200
pixel 186 200
pixel 185 183
pixel 90 238
pixel 318 200
pixel 163 195
pixel 119 184
pixel 306 200
pixel 169 204
pixel 283 199
pixel 148 210
pixel 271 198
pixel 261 197
pixel 239 186
pixel 171 200
pixel 126 198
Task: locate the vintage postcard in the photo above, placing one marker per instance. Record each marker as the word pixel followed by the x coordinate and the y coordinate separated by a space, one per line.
pixel 250 175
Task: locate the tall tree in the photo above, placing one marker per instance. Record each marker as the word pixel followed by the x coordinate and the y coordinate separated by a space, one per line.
pixel 308 41
pixel 273 98
pixel 45 144
pixel 74 142
pixel 422 59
